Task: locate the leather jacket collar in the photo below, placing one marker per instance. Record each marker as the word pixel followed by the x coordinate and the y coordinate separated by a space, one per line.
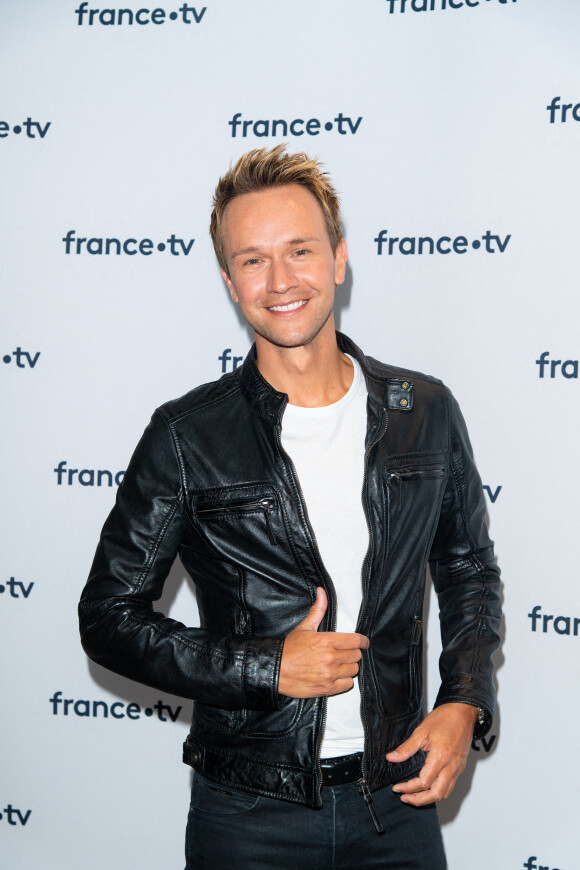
pixel 268 403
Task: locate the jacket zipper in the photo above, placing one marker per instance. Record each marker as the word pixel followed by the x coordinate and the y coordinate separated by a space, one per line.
pixel 409 474
pixel 331 590
pixel 413 472
pixel 265 504
pixel 362 783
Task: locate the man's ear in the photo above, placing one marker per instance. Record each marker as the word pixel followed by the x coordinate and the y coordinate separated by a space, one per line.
pixel 231 287
pixel 340 259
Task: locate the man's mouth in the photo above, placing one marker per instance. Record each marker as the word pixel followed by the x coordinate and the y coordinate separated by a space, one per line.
pixel 291 306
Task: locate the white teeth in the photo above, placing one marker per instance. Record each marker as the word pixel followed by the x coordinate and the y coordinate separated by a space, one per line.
pixel 290 307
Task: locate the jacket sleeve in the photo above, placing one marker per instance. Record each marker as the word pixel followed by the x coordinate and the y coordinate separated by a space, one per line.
pixel 119 628
pixel 466 579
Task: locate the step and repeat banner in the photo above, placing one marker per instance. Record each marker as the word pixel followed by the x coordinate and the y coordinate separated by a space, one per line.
pixel 452 131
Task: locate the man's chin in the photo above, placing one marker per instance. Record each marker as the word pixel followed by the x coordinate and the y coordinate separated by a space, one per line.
pixel 290 340
pixel 285 342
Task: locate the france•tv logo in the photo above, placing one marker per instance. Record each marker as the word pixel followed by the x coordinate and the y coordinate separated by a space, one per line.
pixel 491 243
pixel 343 124
pixel 530 864
pixel 34 129
pixel 84 708
pixel 111 17
pixel 14 816
pixel 86 476
pixel 24 359
pixel 486 743
pixel 436 5
pixel 568 368
pixel 100 245
pixel 568 625
pixel 492 494
pixel 557 108
pixel 17 588
pixel 227 359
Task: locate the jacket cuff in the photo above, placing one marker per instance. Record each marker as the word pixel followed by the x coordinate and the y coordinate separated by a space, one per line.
pixel 465 689
pixel 261 670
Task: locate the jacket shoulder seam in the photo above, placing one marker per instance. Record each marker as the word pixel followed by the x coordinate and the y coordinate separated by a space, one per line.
pixel 172 419
pixel 150 559
pixel 454 474
pixel 178 455
pixel 385 370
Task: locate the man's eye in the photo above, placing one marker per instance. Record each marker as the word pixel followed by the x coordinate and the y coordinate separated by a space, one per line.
pixel 251 262
pixel 302 252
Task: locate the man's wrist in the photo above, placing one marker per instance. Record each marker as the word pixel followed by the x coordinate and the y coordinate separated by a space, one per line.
pixel 467 711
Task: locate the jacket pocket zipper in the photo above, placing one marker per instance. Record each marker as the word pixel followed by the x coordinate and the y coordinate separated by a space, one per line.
pixel 413 660
pixel 412 474
pixel 265 505
pixel 409 473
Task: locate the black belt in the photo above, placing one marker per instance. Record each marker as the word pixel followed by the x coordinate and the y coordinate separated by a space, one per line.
pixel 345 768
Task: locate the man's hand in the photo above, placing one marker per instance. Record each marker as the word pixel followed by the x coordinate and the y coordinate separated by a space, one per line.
pixel 316 663
pixel 445 735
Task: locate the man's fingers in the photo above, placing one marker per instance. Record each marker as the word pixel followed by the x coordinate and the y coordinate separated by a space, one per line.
pixel 335 670
pixel 345 657
pixel 338 640
pixel 316 612
pixel 411 786
pixel 418 793
pixel 445 735
pixel 406 749
pixel 316 663
pixel 348 640
pixel 434 782
pixel 424 780
pixel 340 686
pixel 347 670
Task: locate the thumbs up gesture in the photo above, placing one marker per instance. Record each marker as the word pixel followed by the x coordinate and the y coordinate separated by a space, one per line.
pixel 316 663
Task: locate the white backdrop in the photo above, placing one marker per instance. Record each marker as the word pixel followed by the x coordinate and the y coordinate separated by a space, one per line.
pixel 439 128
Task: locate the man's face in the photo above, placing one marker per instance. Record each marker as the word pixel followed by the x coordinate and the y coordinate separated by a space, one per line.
pixel 282 269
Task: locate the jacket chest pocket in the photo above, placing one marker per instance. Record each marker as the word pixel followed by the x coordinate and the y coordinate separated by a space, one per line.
pixel 260 509
pixel 242 524
pixel 409 485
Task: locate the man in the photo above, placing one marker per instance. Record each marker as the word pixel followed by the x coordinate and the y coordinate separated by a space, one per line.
pixel 308 734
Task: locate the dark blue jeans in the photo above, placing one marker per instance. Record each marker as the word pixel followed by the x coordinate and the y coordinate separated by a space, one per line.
pixel 231 830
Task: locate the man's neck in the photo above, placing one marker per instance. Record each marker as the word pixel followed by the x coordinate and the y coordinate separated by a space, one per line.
pixel 312 375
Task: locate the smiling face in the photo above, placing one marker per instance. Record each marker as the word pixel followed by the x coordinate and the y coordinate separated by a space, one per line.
pixel 282 270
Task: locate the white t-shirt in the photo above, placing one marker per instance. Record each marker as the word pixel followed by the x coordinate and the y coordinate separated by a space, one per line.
pixel 327 448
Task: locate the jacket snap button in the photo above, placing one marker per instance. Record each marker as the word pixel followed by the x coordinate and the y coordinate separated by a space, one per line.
pixel 403 403
pixel 405 385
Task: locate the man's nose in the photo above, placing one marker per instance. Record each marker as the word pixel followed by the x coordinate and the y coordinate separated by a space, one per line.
pixel 281 277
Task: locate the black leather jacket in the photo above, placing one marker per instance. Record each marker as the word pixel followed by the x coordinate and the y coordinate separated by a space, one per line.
pixel 210 481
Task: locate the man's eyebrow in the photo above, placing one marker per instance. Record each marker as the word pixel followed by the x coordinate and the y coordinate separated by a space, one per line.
pixel 254 249
pixel 303 241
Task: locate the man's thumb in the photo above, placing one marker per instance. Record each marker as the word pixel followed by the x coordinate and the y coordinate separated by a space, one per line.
pixel 405 750
pixel 316 612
